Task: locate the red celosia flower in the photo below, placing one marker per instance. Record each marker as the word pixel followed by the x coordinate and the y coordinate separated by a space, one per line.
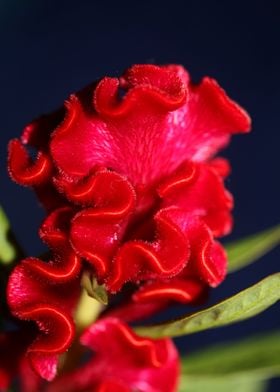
pixel 147 199
pixel 122 362
pixel 132 187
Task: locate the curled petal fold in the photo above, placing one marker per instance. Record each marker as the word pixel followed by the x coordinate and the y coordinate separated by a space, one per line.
pixel 182 178
pixel 211 118
pixel 211 260
pixel 208 257
pixel 23 170
pixel 108 191
pixel 63 268
pixel 54 231
pixel 137 260
pixel 180 290
pixel 32 298
pixel 198 189
pixel 57 335
pixel 66 264
pixel 148 84
pixel 96 232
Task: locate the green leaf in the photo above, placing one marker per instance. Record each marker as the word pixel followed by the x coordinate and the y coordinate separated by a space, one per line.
pixel 222 385
pixel 241 306
pixel 94 289
pixel 7 250
pixel 257 357
pixel 245 251
pixel 242 366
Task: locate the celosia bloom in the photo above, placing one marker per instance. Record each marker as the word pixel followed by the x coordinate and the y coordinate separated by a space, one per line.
pixel 128 173
pixel 122 362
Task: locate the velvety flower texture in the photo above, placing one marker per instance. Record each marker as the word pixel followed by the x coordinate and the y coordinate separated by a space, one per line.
pixel 147 199
pixel 122 362
pixel 128 174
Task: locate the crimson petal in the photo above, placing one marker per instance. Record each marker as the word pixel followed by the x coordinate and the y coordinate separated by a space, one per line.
pixel 96 232
pixel 180 290
pixel 23 170
pixel 151 130
pixel 211 117
pixel 152 84
pixel 32 298
pixel 55 233
pixel 198 189
pixel 137 260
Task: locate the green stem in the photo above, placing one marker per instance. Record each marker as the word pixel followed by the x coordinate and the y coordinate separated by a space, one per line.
pixel 87 311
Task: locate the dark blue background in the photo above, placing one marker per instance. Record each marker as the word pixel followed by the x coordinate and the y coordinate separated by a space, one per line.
pixel 52 48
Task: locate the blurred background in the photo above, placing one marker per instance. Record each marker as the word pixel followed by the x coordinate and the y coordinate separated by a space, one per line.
pixel 52 48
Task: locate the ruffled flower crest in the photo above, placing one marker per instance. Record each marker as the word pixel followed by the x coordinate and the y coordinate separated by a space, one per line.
pixel 127 172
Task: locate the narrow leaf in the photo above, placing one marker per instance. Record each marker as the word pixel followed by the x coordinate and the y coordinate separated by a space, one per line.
pixel 245 251
pixel 257 357
pixel 221 385
pixel 243 305
pixel 7 250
